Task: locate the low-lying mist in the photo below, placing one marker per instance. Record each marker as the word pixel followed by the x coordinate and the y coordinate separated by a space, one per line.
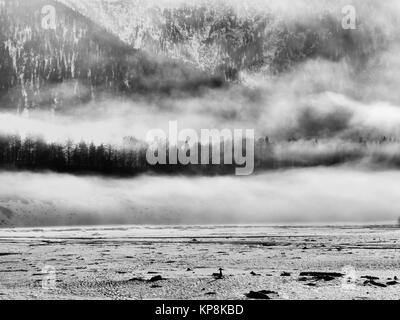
pixel 318 195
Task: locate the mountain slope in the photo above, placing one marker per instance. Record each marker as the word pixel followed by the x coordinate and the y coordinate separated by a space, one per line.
pixel 75 60
pixel 227 36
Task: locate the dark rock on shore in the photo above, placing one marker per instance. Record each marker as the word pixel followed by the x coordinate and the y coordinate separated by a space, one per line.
pixel 370 277
pixel 374 283
pixel 3 254
pixel 261 295
pixel 156 278
pixel 325 276
pixel 136 280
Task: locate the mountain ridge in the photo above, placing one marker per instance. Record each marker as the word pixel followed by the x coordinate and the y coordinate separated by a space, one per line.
pixel 76 61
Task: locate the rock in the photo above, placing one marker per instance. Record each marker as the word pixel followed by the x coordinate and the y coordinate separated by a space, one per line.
pixel 392 283
pixel 156 278
pixel 370 277
pixel 210 293
pixel 285 274
pixel 136 279
pixel 317 274
pixel 188 269
pixel 3 254
pixel 378 284
pixel 374 283
pixel 325 276
pixel 257 295
pixel 255 274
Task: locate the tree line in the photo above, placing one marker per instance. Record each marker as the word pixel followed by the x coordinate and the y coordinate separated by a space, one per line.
pixel 129 159
pixel 35 154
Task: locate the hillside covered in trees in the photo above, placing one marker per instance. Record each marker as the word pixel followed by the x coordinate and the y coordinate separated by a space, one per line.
pixel 56 64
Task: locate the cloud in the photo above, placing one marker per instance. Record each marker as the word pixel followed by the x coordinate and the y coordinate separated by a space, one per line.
pixel 339 195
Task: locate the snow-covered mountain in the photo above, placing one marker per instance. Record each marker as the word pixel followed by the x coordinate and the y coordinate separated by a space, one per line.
pixel 53 56
pixel 230 35
pixel 99 47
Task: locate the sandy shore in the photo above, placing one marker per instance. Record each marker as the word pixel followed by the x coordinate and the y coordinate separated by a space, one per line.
pixel 361 262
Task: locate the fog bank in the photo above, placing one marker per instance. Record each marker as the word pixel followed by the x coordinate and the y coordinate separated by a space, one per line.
pixel 317 195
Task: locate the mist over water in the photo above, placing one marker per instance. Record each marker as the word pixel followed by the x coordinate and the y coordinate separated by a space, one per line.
pixel 317 195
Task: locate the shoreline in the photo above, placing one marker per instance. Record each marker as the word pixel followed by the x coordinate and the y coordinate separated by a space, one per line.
pixel 91 265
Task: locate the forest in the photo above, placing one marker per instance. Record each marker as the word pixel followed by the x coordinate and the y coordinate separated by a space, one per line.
pixel 129 158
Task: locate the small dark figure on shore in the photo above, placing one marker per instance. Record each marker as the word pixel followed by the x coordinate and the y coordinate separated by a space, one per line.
pixel 218 275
